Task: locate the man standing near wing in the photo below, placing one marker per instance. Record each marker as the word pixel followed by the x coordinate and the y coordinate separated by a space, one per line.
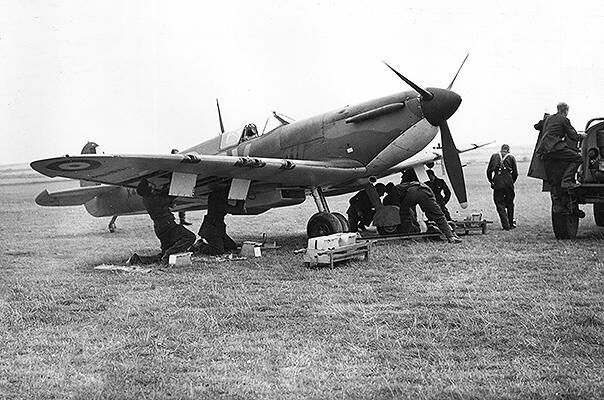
pixel 502 173
pixel 441 192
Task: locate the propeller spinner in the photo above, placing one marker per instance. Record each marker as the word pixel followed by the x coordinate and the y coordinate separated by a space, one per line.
pixel 438 106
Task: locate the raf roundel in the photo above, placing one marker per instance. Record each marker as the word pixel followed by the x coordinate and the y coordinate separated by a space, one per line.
pixel 79 165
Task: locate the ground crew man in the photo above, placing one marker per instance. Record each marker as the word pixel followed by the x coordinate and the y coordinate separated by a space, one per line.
pixel 441 191
pixel 415 193
pixel 213 237
pixel 392 197
pixel 174 238
pixel 558 144
pixel 361 211
pixel 502 172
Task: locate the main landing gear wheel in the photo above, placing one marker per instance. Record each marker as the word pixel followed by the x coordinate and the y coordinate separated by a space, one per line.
pixel 599 213
pixel 322 224
pixel 343 221
pixel 565 225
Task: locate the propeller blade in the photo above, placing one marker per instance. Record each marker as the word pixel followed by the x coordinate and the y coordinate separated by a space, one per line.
pixel 453 165
pixel 455 77
pixel 427 96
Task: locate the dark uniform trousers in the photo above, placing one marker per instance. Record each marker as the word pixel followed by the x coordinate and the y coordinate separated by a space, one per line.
pixel 504 203
pixel 565 155
pixel 422 195
pixel 174 238
pixel 215 240
pixel 439 187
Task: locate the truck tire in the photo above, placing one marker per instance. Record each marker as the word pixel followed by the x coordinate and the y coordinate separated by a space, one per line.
pixel 599 213
pixel 565 225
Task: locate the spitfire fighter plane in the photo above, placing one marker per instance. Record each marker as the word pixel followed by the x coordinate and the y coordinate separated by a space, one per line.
pixel 337 152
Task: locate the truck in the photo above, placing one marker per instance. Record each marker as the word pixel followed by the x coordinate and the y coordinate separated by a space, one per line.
pixel 565 212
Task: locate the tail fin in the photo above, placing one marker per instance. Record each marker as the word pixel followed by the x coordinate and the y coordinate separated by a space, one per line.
pixel 89 148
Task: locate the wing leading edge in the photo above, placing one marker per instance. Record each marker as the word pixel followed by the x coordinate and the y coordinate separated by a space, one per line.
pixel 128 170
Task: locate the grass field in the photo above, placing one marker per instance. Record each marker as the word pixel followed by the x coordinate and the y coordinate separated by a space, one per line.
pixel 509 315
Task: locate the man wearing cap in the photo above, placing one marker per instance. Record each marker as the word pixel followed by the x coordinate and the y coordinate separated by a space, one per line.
pixel 413 193
pixel 442 193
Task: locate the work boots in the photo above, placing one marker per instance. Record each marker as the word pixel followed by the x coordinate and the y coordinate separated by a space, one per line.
pixel 454 239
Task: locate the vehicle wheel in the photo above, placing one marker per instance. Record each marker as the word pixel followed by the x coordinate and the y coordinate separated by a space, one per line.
pixel 388 230
pixel 484 228
pixel 322 224
pixel 599 214
pixel 344 221
pixel 565 225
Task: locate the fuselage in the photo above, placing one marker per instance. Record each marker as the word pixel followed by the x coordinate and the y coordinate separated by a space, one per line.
pixel 332 136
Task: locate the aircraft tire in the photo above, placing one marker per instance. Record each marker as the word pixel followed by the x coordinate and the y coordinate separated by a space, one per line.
pixel 565 225
pixel 599 214
pixel 343 221
pixel 322 224
pixel 112 227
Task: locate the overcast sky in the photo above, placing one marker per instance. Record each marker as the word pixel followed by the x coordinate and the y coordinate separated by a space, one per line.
pixel 142 76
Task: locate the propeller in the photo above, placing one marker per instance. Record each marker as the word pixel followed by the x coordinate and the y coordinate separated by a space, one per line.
pixel 438 105
pixel 455 77
pixel 426 95
pixel 453 165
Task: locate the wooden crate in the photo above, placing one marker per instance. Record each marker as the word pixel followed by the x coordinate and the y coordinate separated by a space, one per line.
pixel 339 254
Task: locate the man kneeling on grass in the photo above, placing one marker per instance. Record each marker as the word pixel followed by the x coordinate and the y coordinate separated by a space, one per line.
pixel 413 193
pixel 174 238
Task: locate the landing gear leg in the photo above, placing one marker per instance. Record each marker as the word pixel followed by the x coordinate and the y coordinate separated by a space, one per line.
pixel 111 225
pixel 324 222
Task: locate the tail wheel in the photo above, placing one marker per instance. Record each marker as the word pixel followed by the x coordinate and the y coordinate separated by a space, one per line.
pixel 565 225
pixel 322 224
pixel 343 221
pixel 599 213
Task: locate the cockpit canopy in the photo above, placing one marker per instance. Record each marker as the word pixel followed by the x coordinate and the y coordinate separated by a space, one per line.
pixel 250 131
